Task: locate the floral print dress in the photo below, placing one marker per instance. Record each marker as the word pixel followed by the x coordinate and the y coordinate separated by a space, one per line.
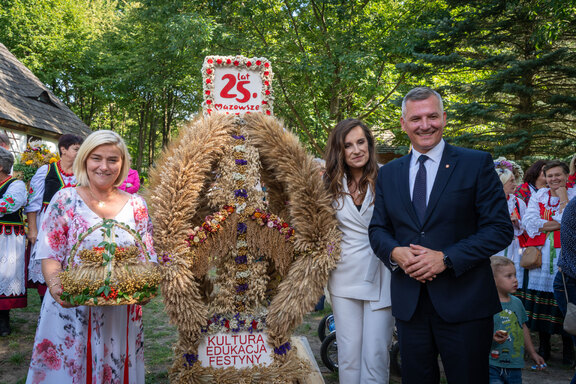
pixel 106 340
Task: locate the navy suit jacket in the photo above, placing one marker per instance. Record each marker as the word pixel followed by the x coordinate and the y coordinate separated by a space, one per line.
pixel 466 218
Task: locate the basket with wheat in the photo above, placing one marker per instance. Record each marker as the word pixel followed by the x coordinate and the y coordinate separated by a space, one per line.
pixel 109 274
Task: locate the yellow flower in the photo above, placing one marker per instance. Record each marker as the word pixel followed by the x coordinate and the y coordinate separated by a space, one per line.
pixel 53 160
pixel 29 162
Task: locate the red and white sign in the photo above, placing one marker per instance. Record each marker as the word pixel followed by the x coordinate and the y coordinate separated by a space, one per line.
pixel 236 84
pixel 239 350
pixel 237 90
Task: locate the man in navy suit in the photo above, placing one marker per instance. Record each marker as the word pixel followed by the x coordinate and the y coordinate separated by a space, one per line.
pixel 440 213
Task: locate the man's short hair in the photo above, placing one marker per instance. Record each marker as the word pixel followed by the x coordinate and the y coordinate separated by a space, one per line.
pixel 421 93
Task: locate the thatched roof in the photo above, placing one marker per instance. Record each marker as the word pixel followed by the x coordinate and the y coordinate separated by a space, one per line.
pixel 26 105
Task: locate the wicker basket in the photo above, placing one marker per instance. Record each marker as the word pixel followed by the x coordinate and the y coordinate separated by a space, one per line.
pixel 108 274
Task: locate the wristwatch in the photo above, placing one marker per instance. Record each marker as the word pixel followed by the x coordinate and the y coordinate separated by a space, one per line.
pixel 447 262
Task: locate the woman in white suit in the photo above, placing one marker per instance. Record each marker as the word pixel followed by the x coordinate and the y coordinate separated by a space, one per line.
pixel 360 284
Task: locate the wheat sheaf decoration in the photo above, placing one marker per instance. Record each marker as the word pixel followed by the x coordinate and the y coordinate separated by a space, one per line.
pixel 248 238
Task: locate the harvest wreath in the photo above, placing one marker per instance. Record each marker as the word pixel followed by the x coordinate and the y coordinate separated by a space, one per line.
pixel 260 261
pixel 109 274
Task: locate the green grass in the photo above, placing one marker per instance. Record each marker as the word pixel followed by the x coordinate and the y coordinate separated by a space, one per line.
pixel 17 358
pixel 159 336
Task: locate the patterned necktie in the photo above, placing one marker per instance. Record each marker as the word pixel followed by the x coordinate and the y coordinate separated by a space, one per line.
pixel 419 192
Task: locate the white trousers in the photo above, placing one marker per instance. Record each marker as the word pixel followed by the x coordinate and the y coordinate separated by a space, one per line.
pixel 363 338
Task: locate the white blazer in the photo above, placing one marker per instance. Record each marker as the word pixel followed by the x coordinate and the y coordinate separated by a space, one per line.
pixel 359 274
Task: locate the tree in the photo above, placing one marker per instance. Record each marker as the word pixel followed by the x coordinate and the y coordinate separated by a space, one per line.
pixel 509 73
pixel 332 59
pixel 133 67
pixel 55 39
pixel 153 59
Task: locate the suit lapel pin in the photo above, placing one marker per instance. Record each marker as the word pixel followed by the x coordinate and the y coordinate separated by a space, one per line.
pixel 447 165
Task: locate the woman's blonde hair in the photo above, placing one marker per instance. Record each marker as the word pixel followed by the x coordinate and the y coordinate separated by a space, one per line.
pixel 96 139
pixel 504 174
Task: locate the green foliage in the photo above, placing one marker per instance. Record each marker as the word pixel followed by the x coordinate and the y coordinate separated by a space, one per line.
pixel 506 68
pixel 332 59
pixel 24 172
pixel 510 71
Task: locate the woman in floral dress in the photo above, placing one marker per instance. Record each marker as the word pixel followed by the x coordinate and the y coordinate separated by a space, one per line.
pixel 101 344
pixel 48 180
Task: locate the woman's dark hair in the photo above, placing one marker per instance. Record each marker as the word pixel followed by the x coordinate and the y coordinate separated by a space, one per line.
pixel 533 172
pixel 67 140
pixel 336 166
pixel 556 163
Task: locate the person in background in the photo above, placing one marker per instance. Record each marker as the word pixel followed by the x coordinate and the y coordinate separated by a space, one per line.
pixel 132 182
pixel 48 180
pixel 439 215
pixel 12 243
pixel 567 262
pixel 572 174
pixel 517 209
pixel 542 223
pixel 359 287
pixel 533 180
pixel 4 141
pixel 511 334
pixel 89 344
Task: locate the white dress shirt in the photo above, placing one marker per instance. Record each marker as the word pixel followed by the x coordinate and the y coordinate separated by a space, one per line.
pixel 432 164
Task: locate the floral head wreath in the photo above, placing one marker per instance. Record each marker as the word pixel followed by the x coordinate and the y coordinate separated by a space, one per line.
pixel 501 163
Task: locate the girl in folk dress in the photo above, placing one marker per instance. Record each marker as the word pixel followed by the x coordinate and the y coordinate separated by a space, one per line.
pixel 83 344
pixel 360 284
pixel 542 222
pixel 12 242
pixel 48 180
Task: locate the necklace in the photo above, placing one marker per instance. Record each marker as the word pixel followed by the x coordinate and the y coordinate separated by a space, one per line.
pixel 549 197
pixel 100 203
pixel 59 165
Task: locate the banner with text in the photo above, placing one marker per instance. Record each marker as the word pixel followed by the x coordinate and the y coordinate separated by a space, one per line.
pixel 240 350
